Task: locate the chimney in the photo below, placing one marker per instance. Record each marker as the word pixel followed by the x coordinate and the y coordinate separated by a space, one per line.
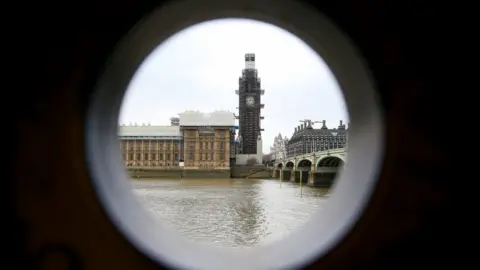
pixel 341 122
pixel 324 126
pixel 295 130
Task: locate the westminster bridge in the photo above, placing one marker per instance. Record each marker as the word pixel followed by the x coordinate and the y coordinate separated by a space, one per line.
pixel 316 169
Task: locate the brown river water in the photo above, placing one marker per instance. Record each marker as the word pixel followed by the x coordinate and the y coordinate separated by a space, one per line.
pixel 230 212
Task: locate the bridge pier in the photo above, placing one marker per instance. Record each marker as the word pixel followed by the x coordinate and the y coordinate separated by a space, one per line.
pixel 322 167
pixel 296 176
pixel 311 177
pixel 322 179
pixel 286 175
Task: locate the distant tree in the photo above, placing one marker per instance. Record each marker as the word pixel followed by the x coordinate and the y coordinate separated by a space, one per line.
pixel 251 161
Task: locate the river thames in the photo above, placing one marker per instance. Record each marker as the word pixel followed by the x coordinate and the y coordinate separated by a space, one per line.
pixel 238 213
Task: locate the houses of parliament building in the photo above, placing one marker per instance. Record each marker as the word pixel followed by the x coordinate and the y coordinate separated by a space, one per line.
pixel 194 140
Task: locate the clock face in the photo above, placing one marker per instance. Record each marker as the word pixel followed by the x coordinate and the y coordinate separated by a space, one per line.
pixel 250 100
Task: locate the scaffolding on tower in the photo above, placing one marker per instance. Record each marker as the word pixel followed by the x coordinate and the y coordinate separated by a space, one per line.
pixel 249 115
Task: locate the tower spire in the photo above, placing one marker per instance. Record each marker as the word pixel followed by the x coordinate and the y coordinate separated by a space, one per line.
pixel 250 61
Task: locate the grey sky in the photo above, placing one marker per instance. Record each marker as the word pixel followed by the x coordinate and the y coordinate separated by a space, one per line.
pixel 198 69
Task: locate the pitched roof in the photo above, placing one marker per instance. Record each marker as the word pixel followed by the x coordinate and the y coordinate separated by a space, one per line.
pixel 167 131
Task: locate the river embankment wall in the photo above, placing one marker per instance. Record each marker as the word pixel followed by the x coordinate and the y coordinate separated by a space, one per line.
pixel 251 172
pixel 177 173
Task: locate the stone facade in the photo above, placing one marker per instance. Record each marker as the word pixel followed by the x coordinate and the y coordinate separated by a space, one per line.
pixel 194 141
pixel 306 139
pixel 279 148
pixel 207 139
pixel 206 147
pixel 150 146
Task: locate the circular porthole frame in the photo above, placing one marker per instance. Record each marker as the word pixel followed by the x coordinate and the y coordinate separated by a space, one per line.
pixel 352 189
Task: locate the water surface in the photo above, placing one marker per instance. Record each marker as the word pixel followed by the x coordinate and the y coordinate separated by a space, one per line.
pixel 230 212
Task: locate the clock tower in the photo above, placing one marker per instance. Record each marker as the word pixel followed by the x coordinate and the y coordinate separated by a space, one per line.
pixel 249 106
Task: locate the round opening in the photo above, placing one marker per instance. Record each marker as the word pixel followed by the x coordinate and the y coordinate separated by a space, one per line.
pixel 220 195
pixel 352 189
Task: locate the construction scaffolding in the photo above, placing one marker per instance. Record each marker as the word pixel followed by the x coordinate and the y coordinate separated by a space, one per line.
pixel 249 106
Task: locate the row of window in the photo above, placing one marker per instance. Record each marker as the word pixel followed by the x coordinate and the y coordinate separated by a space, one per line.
pixel 206 145
pixel 207 156
pixel 213 132
pixel 192 164
pixel 208 140
pixel 150 149
pixel 153 164
pixel 318 141
pixel 139 146
pixel 304 150
pixel 150 157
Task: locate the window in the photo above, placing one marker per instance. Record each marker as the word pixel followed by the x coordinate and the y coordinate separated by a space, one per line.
pixel 160 156
pixel 168 156
pixel 145 156
pixel 190 156
pixel 154 157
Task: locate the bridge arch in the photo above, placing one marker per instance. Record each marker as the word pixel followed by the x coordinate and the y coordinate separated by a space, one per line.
pixel 304 165
pixel 289 164
pixel 280 165
pixel 303 162
pixel 331 161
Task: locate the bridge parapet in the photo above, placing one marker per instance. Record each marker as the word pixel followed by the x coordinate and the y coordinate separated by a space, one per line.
pixel 313 157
